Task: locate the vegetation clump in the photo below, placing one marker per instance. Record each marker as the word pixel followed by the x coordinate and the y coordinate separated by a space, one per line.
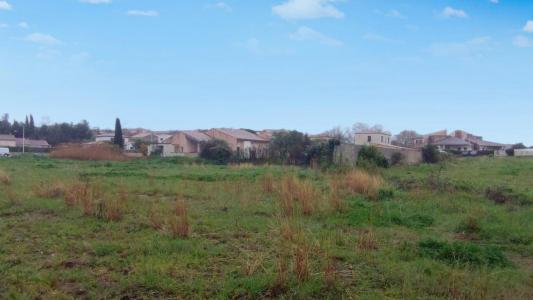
pixel 463 253
pixel 370 156
pixel 216 151
pixel 431 154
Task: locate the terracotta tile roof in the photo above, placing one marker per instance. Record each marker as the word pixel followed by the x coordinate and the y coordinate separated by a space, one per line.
pixel 196 135
pixel 452 141
pixel 485 143
pixel 242 134
pixel 7 137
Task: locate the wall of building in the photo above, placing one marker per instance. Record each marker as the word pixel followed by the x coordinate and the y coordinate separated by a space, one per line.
pixel 184 145
pixel 8 143
pixel 376 138
pixel 523 152
pixel 346 154
pixel 217 134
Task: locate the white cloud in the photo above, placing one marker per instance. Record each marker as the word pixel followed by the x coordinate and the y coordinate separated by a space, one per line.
pixel 44 39
pixel 494 1
pixel 23 25
pixel 378 38
pixel 450 12
pixel 4 5
pixel 472 48
pixel 96 1
pixel 221 5
pixel 522 42
pixel 143 13
pixel 529 27
pixel 307 9
pixel 4 25
pixel 307 34
pixel 395 14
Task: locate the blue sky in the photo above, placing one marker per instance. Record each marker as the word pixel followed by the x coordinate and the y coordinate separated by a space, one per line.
pixel 299 64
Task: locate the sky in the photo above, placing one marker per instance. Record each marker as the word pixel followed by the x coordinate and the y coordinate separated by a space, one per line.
pixel 308 65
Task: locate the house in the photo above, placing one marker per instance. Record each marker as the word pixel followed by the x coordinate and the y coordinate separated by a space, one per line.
pixel 146 137
pixel 370 137
pixel 245 143
pixel 523 152
pixel 452 143
pixel 7 140
pixel 188 141
pixel 105 137
pixel 33 144
pixel 481 145
pixel 434 137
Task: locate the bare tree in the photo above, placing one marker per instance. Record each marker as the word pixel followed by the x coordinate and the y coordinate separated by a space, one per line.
pixel 343 135
pixel 405 137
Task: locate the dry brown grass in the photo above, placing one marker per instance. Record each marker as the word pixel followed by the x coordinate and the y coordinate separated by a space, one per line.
pixel 301 262
pixel 114 209
pixel 367 240
pixel 335 196
pixel 307 196
pixel 267 183
pixel 89 152
pixel 287 195
pixel 11 196
pixel 361 182
pixel 330 273
pixel 74 193
pixel 155 218
pixel 179 223
pixel 4 177
pixel 282 273
pixel 47 190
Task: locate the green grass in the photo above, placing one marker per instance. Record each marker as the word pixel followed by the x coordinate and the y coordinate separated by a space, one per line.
pixel 437 235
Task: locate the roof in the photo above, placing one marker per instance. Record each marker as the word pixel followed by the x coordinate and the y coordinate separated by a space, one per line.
pixel 196 135
pixel 452 141
pixel 485 143
pixel 7 137
pixel 373 132
pixel 33 143
pixel 241 134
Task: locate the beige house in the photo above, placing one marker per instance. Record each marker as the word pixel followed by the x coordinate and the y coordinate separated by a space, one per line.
pixel 452 143
pixel 188 141
pixel 244 143
pixel 7 140
pixel 372 137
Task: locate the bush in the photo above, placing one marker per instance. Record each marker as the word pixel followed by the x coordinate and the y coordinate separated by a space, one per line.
pixel 430 154
pixel 397 158
pixel 216 151
pixel 462 253
pixel 370 155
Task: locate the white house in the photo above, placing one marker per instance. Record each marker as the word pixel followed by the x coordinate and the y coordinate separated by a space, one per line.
pixel 523 152
pixel 372 137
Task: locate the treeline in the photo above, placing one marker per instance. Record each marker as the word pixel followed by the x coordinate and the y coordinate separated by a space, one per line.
pixel 54 134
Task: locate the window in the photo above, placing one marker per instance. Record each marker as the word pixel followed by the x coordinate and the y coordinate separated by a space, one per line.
pixel 369 138
pixel 382 139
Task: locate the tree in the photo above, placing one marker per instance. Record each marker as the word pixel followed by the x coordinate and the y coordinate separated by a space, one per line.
pixel 342 135
pixel 430 154
pixel 5 125
pixel 290 147
pixel 216 151
pixel 405 137
pixel 359 127
pixel 31 127
pixel 118 139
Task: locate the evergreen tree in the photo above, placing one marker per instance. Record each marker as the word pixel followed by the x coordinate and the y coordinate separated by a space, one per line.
pixel 31 127
pixel 5 125
pixel 119 139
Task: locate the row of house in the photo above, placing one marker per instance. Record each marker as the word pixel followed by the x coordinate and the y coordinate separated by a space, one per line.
pixel 187 142
pixel 10 141
pixel 458 140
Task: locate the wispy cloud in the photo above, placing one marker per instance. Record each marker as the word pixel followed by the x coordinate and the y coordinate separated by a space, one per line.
pixel 450 12
pixel 529 27
pixel 4 25
pixel 522 42
pixel 305 33
pixel 143 13
pixel 307 9
pixel 220 5
pixel 494 1
pixel 23 25
pixel 4 5
pixel 378 38
pixel 472 48
pixel 395 14
pixel 96 1
pixel 43 39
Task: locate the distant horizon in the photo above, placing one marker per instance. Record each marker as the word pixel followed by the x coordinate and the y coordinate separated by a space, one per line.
pixel 308 65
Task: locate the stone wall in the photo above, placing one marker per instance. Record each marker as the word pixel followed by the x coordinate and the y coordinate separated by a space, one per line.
pixel 346 154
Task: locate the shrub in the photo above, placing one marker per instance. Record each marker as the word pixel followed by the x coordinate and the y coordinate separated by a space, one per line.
pixel 502 195
pixel 4 178
pixel 430 154
pixel 46 190
pixel 397 158
pixel 94 152
pixel 462 253
pixel 370 155
pixel 361 182
pixel 216 151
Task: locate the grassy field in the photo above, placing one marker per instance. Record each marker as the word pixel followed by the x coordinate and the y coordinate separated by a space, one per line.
pixel 175 229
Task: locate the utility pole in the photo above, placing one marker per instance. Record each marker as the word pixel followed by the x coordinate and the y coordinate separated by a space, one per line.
pixel 23 139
